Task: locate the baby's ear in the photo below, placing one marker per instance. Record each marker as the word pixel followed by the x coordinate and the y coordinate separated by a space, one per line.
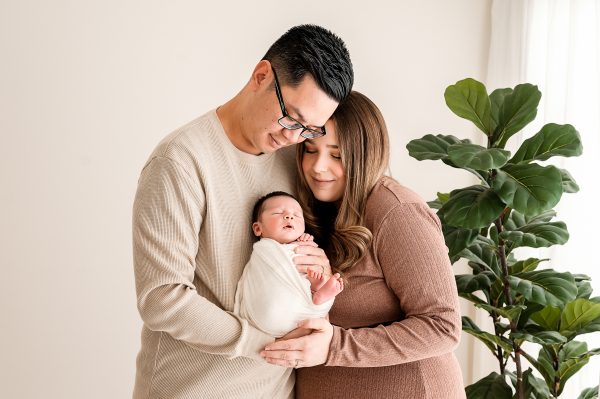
pixel 256 229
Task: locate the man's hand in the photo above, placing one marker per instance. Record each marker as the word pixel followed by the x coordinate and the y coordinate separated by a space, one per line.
pixel 306 351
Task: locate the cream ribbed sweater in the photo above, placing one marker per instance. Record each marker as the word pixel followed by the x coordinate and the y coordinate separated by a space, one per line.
pixel 191 240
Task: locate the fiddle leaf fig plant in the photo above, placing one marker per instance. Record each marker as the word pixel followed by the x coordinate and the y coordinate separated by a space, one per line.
pixel 511 207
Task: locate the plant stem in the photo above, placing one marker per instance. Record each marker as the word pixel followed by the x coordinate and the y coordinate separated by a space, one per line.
pixel 509 301
pixel 499 352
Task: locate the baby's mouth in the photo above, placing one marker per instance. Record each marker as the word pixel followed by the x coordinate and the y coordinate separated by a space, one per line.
pixel 288 226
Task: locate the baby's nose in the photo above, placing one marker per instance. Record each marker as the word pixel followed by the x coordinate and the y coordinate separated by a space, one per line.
pixel 288 217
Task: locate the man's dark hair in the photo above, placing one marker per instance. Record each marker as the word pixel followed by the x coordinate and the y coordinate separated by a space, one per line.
pixel 315 50
pixel 258 206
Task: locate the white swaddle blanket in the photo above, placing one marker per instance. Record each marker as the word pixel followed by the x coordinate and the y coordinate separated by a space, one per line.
pixel 271 294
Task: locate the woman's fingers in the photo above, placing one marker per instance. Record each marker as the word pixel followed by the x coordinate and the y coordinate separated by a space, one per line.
pixel 312 259
pixel 283 353
pixel 306 244
pixel 283 358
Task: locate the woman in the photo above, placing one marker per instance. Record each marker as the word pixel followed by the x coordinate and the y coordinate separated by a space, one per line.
pixel 394 327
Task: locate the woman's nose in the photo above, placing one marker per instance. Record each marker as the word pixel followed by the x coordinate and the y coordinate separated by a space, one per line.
pixel 320 165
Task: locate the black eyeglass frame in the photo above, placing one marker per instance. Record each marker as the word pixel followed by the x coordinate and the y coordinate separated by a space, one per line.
pixel 312 133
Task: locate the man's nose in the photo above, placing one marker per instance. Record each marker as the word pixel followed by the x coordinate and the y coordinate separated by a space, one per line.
pixel 293 136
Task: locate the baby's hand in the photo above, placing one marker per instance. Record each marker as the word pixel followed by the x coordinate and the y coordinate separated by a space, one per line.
pixel 306 237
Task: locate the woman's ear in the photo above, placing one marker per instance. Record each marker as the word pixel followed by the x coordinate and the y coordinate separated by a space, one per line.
pixel 256 229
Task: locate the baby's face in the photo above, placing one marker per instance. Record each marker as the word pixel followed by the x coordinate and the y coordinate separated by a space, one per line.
pixel 281 220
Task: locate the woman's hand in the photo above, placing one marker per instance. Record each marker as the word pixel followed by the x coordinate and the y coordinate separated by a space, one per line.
pixel 306 351
pixel 311 257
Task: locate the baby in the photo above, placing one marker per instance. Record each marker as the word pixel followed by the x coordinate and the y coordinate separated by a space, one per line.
pixel 278 216
pixel 271 294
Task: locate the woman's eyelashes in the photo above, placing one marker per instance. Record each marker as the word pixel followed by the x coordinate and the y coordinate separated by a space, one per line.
pixel 333 155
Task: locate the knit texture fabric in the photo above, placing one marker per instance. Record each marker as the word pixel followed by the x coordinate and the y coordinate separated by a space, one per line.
pixel 191 240
pixel 397 320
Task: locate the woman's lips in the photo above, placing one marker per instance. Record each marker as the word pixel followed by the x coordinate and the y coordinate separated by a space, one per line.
pixel 321 182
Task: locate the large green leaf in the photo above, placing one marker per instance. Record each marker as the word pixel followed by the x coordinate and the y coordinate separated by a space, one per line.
pixel 545 364
pixel 468 99
pixel 512 313
pixel 490 340
pixel 432 147
pixel 497 100
pixel 440 200
pixel 536 387
pixel 468 283
pixel 517 220
pixel 543 217
pixel 457 239
pixel 474 156
pixel 472 298
pixel 584 286
pixel 530 189
pixel 548 318
pixel 568 182
pixel 590 328
pixel 542 337
pixel 517 110
pixel 552 140
pixel 577 315
pixel 483 253
pixel 525 323
pixel 526 265
pixel 497 293
pixel 572 357
pixel 546 287
pixel 538 235
pixel 584 289
pixel 542 364
pixel 493 386
pixel 472 207
pixel 589 393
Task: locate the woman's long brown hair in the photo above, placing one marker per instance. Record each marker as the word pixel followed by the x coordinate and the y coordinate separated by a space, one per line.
pixel 364 149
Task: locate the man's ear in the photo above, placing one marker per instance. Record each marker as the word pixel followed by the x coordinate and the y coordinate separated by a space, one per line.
pixel 262 75
pixel 256 229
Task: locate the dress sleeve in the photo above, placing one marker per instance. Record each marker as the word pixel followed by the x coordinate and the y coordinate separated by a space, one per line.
pixel 411 252
pixel 167 217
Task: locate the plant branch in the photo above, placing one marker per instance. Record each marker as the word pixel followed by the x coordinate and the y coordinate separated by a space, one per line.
pixel 509 301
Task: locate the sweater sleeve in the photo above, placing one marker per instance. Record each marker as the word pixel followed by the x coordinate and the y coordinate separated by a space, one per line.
pixel 167 217
pixel 411 252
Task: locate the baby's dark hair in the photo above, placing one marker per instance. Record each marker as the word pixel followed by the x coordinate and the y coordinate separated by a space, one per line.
pixel 258 206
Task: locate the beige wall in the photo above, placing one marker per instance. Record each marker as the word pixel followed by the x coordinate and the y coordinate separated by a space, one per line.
pixel 87 89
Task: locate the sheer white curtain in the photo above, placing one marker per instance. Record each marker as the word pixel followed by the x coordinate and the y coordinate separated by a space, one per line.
pixel 555 44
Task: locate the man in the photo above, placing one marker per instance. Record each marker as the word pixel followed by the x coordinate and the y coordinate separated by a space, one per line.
pixel 190 222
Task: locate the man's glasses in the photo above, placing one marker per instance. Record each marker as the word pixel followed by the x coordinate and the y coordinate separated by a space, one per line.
pixel 290 123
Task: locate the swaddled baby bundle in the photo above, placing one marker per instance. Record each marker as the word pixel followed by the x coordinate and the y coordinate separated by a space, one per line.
pixel 271 294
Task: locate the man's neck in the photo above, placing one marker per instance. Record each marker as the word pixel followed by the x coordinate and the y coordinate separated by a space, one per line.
pixel 229 115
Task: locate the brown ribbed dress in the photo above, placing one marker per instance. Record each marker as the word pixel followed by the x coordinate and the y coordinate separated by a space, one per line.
pixel 397 321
